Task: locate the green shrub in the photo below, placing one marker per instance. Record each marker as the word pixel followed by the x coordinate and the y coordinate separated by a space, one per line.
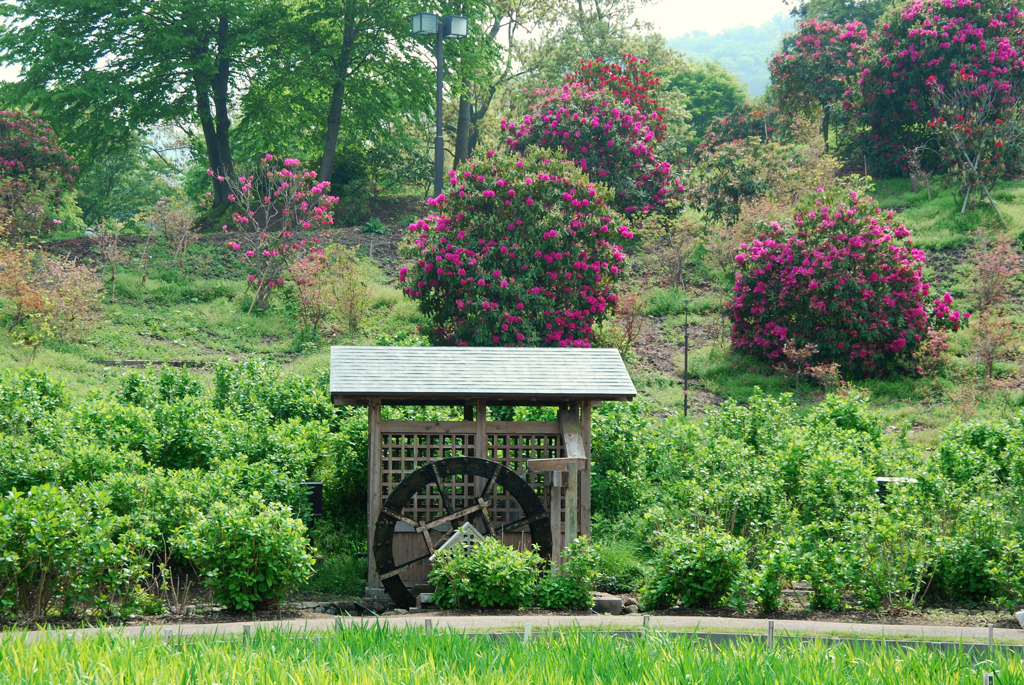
pixel 194 434
pixel 694 568
pixel 23 465
pixel 780 567
pixel 168 385
pixel 978 449
pixel 489 575
pixel 256 386
pixel 249 554
pixel 27 396
pixel 64 550
pixel 340 575
pixel 571 586
pixel 835 478
pixel 620 568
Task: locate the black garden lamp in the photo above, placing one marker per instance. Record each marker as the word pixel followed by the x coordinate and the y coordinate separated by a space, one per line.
pixel 449 26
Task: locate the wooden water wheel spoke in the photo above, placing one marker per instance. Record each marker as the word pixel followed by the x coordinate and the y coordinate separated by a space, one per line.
pixel 405 496
pixel 451 517
pixel 512 526
pixel 440 489
pixel 484 515
pixel 401 567
pixel 490 481
pixel 426 539
pixel 398 517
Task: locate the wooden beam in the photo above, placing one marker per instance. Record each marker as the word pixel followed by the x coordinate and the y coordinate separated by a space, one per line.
pixel 558 464
pixel 453 427
pixel 374 491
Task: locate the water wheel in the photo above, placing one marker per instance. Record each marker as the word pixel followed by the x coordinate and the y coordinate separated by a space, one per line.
pixel 455 485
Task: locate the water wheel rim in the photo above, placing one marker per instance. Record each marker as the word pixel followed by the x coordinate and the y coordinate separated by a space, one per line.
pixel 534 514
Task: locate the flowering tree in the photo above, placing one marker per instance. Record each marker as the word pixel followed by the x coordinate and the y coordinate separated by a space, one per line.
pixel 34 171
pixel 925 45
pixel 817 70
pixel 629 82
pixel 522 251
pixel 845 280
pixel 271 208
pixel 609 139
pixel 974 139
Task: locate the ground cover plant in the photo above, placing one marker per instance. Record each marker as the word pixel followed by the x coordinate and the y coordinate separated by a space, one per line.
pixel 383 655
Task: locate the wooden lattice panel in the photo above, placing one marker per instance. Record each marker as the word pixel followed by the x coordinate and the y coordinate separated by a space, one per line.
pixel 402 452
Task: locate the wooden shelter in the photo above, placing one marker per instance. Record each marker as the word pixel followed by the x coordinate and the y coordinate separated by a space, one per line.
pixel 524 482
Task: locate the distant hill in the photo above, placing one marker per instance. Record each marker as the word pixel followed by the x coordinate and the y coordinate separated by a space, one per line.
pixel 745 50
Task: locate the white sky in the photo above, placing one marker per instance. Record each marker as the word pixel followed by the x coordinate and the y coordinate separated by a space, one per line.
pixel 674 18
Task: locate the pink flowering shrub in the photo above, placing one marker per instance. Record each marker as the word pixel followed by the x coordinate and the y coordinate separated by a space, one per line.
pixel 272 207
pixel 522 251
pixel 926 45
pixel 34 171
pixel 628 82
pixel 608 138
pixel 817 70
pixel 845 280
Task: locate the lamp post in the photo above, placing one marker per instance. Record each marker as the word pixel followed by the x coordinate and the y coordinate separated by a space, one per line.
pixel 449 26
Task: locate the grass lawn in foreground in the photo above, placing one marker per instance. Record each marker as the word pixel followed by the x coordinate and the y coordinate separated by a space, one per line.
pixel 382 655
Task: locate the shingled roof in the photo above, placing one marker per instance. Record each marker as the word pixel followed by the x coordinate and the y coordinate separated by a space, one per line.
pixel 426 375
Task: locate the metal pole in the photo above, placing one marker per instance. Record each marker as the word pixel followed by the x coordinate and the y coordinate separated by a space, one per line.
pixel 439 136
pixel 686 359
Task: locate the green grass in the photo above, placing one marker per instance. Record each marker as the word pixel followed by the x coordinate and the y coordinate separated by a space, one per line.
pixel 381 655
pixel 936 223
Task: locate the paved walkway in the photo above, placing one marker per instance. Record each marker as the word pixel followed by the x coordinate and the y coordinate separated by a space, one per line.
pixel 487 624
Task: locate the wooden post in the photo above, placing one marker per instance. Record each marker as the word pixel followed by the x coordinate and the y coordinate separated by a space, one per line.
pixel 481 429
pixel 572 504
pixel 585 416
pixel 375 489
pixel 575 448
pixel 554 480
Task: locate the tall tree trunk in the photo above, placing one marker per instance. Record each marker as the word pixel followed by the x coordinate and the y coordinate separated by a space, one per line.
pixel 221 85
pixel 333 128
pixel 341 72
pixel 825 121
pixel 462 136
pixel 213 115
pixel 213 151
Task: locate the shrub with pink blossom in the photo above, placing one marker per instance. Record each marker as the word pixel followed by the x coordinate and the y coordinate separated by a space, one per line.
pixel 522 251
pixel 845 279
pixel 612 140
pixel 272 208
pixel 34 171
pixel 922 46
pixel 629 82
pixel 817 70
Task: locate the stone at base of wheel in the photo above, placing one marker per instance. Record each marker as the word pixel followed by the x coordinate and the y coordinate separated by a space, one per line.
pixel 534 515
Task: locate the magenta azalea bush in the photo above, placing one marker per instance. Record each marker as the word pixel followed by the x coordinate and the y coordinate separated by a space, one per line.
pixel 924 45
pixel 34 171
pixel 522 251
pixel 610 139
pixel 272 207
pixel 817 70
pixel 845 279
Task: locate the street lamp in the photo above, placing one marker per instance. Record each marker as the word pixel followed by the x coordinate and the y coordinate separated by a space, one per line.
pixel 449 26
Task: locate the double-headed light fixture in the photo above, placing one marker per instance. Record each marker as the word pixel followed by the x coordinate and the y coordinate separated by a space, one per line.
pixel 449 26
